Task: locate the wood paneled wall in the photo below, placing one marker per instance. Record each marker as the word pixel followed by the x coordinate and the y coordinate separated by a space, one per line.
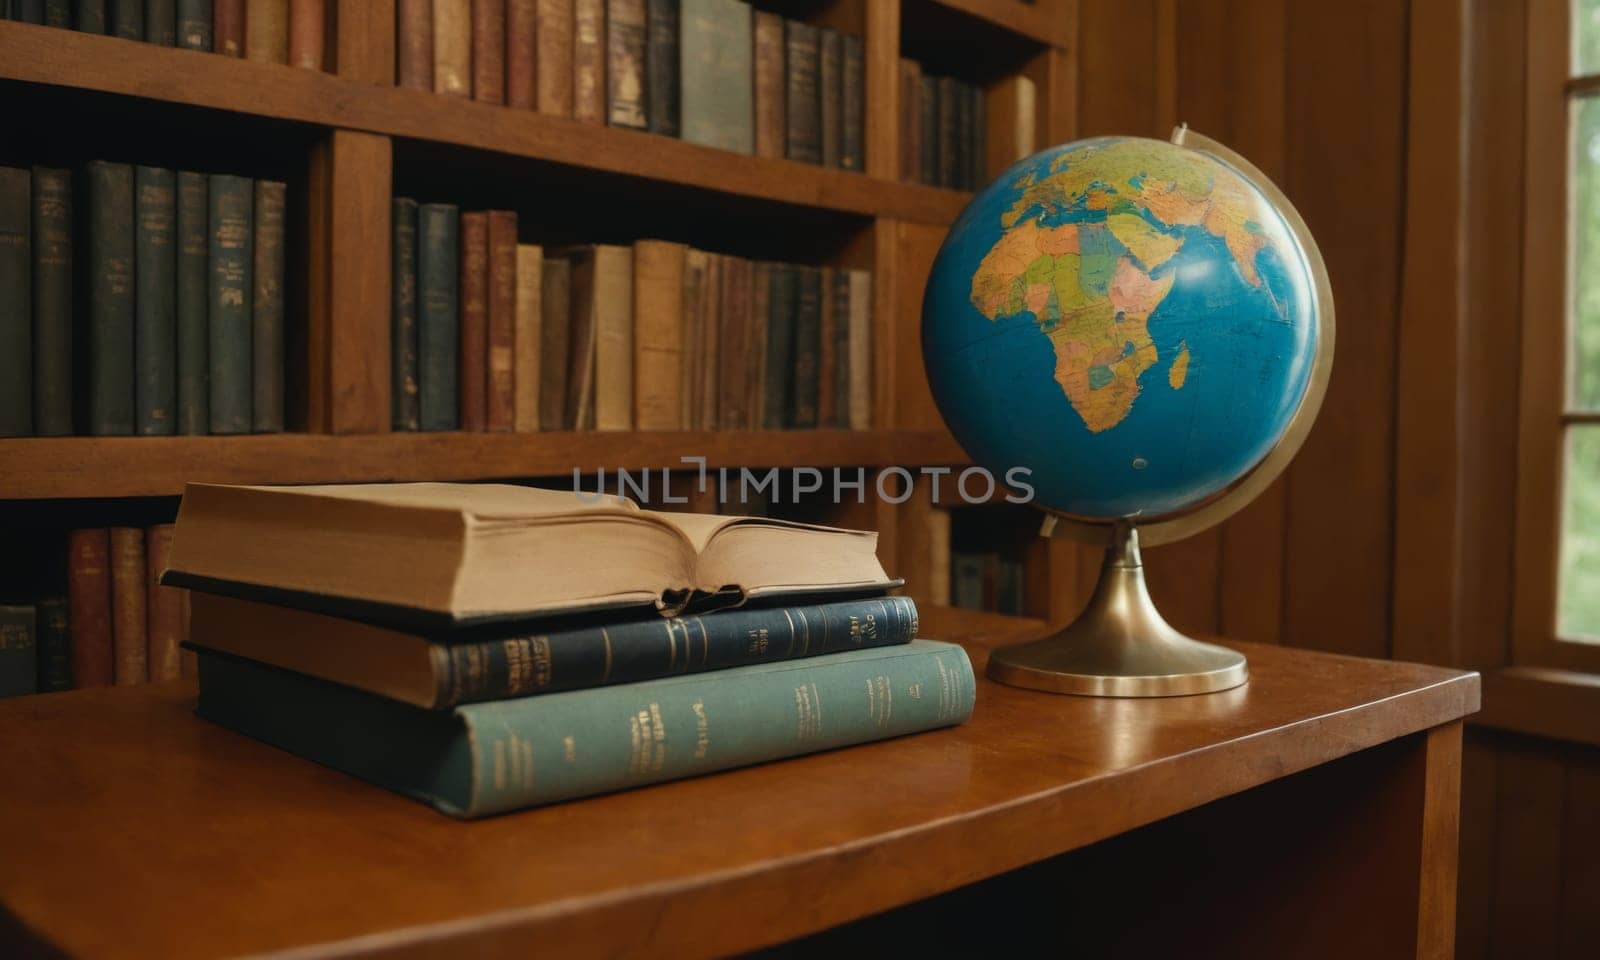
pixel 1396 129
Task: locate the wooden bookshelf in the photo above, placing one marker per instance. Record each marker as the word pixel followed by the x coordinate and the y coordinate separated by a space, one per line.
pixel 348 139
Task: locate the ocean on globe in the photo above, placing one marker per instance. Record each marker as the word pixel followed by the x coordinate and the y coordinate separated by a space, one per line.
pixel 1129 319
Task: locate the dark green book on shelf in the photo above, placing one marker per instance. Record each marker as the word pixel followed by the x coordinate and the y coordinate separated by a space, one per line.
pixel 54 645
pixel 193 305
pixel 267 308
pixel 853 142
pixel 716 106
pixel 661 66
pixel 489 758
pixel 782 290
pixel 802 109
pixel 194 24
pixel 58 13
pixel 52 302
pixel 807 347
pixel 438 319
pixel 16 303
pixel 230 295
pixel 110 294
pixel 405 412
pixel 127 19
pixel 160 22
pixel 155 348
pixel 840 297
pixel 89 16
pixel 19 667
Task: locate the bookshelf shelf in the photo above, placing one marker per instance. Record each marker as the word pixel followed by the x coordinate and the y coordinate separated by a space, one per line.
pixel 1024 19
pixel 93 467
pixel 106 65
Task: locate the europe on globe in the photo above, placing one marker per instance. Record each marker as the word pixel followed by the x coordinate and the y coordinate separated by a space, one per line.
pixel 1132 320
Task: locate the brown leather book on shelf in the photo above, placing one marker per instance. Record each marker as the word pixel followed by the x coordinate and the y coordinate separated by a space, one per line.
pixel 830 87
pixel 756 344
pixel 526 356
pixel 306 21
pixel 521 76
pixel 733 377
pixel 910 121
pixel 826 361
pixel 612 304
pixel 692 310
pixel 769 85
pixel 658 334
pixel 227 27
pixel 129 590
pixel 164 607
pixel 266 31
pixel 89 607
pixel 489 51
pixel 589 60
pixel 502 385
pixel 452 47
pixel 803 103
pixel 555 332
pixel 474 382
pixel 710 344
pixel 553 64
pixel 625 55
pixel 414 44
pixel 860 340
pixel 580 342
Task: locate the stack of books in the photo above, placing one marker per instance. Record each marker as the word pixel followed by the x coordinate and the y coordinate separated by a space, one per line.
pixel 485 648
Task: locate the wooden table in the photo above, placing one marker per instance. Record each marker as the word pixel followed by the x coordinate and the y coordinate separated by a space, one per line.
pixel 1312 811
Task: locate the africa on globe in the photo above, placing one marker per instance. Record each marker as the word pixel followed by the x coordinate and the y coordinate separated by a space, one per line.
pixel 1133 320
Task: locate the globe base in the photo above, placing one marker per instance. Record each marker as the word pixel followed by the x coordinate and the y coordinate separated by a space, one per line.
pixel 1119 646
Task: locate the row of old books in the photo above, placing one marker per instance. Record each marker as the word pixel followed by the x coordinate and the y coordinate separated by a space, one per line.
pixel 944 127
pixel 529 646
pixel 713 72
pixel 973 575
pixel 158 309
pixel 116 624
pixel 492 334
pixel 275 31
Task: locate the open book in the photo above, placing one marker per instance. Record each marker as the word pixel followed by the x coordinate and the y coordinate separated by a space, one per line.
pixel 453 554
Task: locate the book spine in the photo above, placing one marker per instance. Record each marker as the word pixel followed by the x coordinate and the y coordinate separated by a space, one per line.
pixel 949 140
pixel 860 350
pixel 16 304
pixel 625 70
pixel 830 90
pixel 89 16
pixel 807 346
pixel 928 103
pixel 127 19
pixel 827 363
pixel 770 85
pixel 474 287
pixel 154 312
pixel 23 11
pixel 589 60
pixel 55 646
pixel 756 345
pixel 836 291
pixel 227 24
pixel 733 373
pixel 19 651
pixel 414 44
pixel 853 111
pixel 266 31
pixel 489 51
pixel 555 328
pixel 160 22
pixel 89 607
pixel 580 362
pixel 164 607
pixel 267 308
pixel 692 311
pixel 406 413
pixel 658 335
pixel 613 338
pixel 661 67
pixel 962 177
pixel 781 295
pixel 501 411
pixel 110 272
pixel 977 152
pixel 193 304
pixel 910 121
pixel 521 76
pixel 452 47
pixel 526 351
pixel 553 64
pixel 229 298
pixel 716 105
pixel 803 98
pixel 58 13
pixel 306 21
pixel 128 613
pixel 194 25
pixel 710 342
pixel 591 657
pixel 438 319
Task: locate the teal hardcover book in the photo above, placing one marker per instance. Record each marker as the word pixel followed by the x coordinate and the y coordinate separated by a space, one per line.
pixel 488 758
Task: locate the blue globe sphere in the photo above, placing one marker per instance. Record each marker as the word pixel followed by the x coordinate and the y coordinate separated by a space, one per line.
pixel 1131 320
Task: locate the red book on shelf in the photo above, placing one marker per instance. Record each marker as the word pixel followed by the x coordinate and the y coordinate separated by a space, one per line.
pixel 474 320
pixel 521 78
pixel 164 608
pixel 414 44
pixel 489 51
pixel 128 614
pixel 89 607
pixel 502 393
pixel 227 27
pixel 306 19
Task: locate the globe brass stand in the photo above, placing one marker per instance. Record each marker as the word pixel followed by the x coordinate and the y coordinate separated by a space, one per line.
pixel 1119 646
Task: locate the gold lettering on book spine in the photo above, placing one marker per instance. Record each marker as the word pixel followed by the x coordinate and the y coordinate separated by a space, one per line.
pixel 702 730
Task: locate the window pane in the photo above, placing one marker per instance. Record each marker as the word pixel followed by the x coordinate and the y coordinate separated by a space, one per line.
pixel 1585 36
pixel 1584 357
pixel 1579 617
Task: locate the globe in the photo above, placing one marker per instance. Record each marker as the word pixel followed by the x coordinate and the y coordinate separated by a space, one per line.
pixel 1133 321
